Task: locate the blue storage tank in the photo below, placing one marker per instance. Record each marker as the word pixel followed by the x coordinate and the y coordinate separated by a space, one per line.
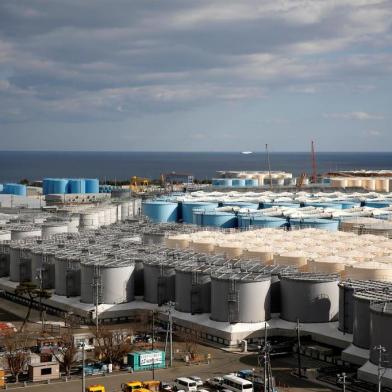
pixel 160 211
pixel 15 189
pixel 349 204
pixel 217 182
pixel 1 188
pixel 188 206
pixel 324 224
pixel 281 204
pixel 76 185
pixel 266 221
pixel 47 186
pixel 244 221
pixel 59 185
pixel 227 182
pixel 377 204
pixel 251 183
pixel 238 182
pixel 337 206
pixel 225 220
pixel 92 185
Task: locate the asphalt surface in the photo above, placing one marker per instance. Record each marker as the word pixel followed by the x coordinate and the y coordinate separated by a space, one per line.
pixel 222 363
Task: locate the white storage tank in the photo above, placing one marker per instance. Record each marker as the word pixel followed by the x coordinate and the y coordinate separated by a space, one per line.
pixel 24 232
pixel 50 229
pixel 89 220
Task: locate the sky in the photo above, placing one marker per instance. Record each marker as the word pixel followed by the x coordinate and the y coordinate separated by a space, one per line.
pixel 216 75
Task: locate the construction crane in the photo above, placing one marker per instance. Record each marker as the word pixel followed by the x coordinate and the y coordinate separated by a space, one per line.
pixel 169 179
pixel 314 165
pixel 139 184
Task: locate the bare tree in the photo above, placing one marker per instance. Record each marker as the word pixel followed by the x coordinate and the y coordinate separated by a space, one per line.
pixel 66 352
pixel 16 352
pixel 32 292
pixel 112 345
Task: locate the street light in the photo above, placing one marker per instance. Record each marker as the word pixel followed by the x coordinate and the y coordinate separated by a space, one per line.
pixel 81 345
pixel 342 380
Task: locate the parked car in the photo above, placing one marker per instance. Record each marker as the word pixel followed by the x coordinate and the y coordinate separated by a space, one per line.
pixel 215 382
pixel 198 380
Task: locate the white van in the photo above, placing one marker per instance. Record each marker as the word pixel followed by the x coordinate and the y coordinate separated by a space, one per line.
pixel 236 384
pixel 186 384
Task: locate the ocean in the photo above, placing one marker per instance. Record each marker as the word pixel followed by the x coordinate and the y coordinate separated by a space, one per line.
pixel 34 165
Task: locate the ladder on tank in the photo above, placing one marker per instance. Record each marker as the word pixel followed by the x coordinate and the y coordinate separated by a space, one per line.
pixel 233 303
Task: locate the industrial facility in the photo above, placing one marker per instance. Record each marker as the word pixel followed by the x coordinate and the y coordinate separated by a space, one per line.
pixel 226 264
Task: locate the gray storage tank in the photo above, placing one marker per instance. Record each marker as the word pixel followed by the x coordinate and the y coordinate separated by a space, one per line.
pixel 361 326
pixel 4 259
pixel 159 281
pixel 240 297
pixel 380 332
pixel 193 288
pixel 347 289
pixel 67 273
pixel 108 279
pixel 20 262
pixel 309 297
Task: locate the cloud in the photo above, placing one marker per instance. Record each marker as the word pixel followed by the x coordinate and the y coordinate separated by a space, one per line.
pixel 373 133
pixel 359 116
pixel 77 61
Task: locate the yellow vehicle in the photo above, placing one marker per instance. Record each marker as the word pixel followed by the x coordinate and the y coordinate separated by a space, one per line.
pixel 95 388
pixel 131 386
pixel 152 385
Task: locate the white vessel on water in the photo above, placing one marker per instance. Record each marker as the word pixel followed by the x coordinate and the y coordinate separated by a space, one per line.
pixel 247 152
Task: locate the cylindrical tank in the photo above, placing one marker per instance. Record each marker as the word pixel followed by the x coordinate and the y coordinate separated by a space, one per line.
pixel 15 189
pixel 67 274
pixel 215 219
pixel 76 185
pixel 20 263
pixel 5 235
pixel 266 221
pixel 380 332
pixel 361 326
pixel 92 185
pixel 309 298
pixel 50 229
pixel 194 286
pixel 59 185
pixel 160 211
pixel 238 182
pixel 111 282
pixel 188 206
pixel 23 232
pixel 323 224
pixel 89 220
pixel 159 282
pixel 240 298
pixel 153 238
pixel 251 183
pixel 369 271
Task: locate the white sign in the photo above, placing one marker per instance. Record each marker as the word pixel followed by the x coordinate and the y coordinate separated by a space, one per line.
pixel 150 358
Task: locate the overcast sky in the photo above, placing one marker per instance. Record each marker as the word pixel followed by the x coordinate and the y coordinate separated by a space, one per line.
pixel 196 75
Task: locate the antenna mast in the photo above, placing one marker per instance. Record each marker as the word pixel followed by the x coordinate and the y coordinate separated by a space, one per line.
pixel 314 165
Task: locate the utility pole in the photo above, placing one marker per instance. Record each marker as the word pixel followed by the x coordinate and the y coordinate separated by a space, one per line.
pixel 380 350
pixel 299 349
pixel 314 165
pixel 152 344
pixel 171 336
pixel 265 358
pixel 342 379
pixel 83 371
pixel 39 277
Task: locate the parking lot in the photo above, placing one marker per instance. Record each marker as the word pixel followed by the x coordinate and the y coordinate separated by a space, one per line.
pixel 222 362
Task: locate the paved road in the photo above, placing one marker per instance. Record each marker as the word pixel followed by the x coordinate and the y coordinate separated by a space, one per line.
pixel 221 363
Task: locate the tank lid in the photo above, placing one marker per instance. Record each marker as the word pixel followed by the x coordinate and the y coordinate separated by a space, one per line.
pixel 240 276
pixel 379 295
pixel 384 308
pixel 311 277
